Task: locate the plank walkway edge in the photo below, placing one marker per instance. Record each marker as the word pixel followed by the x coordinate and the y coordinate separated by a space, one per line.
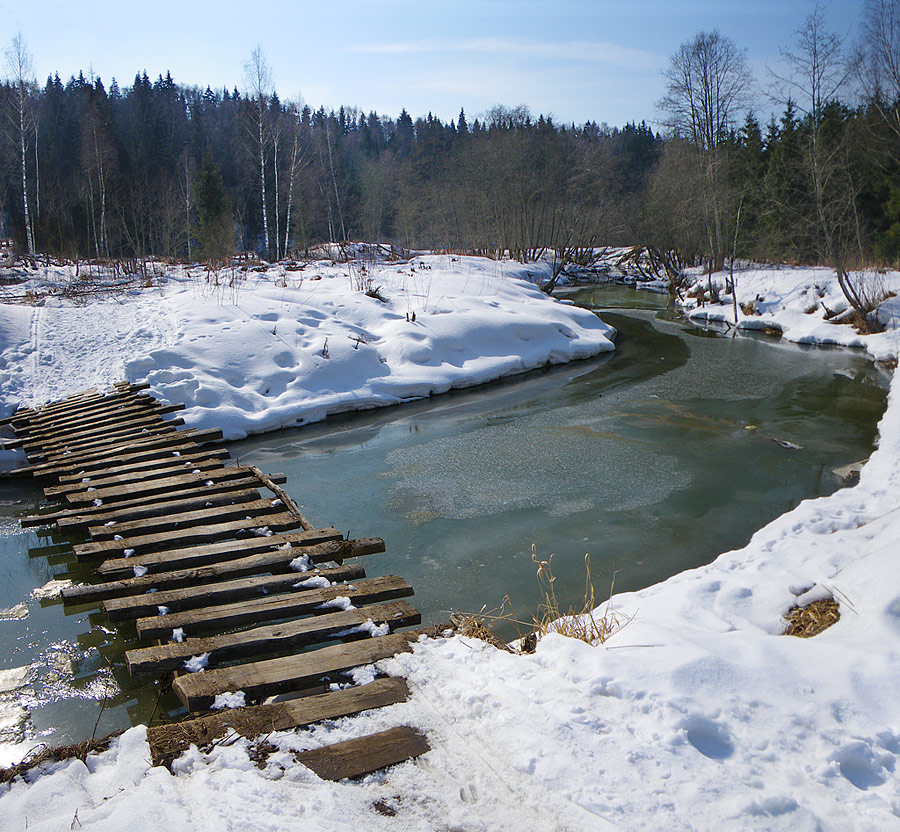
pixel 168 741
pixel 361 756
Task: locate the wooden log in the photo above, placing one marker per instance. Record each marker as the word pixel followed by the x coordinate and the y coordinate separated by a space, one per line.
pixel 257 509
pixel 171 467
pixel 88 492
pixel 153 582
pixel 168 741
pixel 273 607
pixel 274 638
pixel 244 557
pixel 174 460
pixel 196 534
pixel 283 496
pixel 197 691
pixel 145 604
pixel 361 756
pixel 155 509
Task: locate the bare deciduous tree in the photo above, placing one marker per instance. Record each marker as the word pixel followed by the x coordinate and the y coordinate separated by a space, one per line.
pixel 258 79
pixel 21 76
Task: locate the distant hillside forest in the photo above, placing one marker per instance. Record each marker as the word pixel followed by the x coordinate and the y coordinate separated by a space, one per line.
pixel 89 170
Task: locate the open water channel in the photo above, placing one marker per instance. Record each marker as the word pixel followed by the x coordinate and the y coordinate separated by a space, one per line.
pixel 652 459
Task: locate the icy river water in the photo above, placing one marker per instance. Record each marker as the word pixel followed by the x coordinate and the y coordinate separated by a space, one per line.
pixel 652 459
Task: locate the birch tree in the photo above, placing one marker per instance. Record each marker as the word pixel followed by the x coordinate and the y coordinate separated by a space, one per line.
pixel 21 77
pixel 258 79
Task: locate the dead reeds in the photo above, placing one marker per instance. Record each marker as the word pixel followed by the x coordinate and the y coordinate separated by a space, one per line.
pixel 809 621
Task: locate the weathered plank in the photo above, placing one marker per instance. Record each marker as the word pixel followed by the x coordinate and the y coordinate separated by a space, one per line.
pixel 361 756
pixel 152 582
pixel 142 449
pixel 85 401
pixel 223 592
pixel 88 492
pixel 97 444
pixel 78 520
pixel 246 557
pixel 170 467
pixel 168 741
pixel 195 534
pixel 274 638
pixel 54 435
pixel 175 459
pixel 186 519
pixel 197 691
pixel 282 495
pixel 78 423
pixel 273 607
pixel 169 500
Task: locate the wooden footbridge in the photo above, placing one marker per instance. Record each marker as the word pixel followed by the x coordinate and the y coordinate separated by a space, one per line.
pixel 215 577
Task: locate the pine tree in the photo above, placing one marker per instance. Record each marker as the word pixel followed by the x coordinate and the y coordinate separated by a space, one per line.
pixel 214 229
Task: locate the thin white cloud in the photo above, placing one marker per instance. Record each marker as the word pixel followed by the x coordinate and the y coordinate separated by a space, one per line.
pixel 576 50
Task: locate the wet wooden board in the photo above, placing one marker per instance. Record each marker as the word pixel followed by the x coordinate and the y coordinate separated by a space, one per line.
pixel 207 455
pixel 197 691
pixel 170 467
pixel 117 454
pixel 154 582
pixel 80 423
pixel 273 607
pixel 247 557
pixel 194 534
pixel 258 509
pixel 167 741
pixel 133 606
pixel 55 436
pixel 88 492
pixel 64 453
pixel 84 514
pixel 274 638
pixel 358 757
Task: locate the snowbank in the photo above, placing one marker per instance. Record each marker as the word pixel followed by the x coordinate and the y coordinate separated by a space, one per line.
pixel 697 714
pixel 254 351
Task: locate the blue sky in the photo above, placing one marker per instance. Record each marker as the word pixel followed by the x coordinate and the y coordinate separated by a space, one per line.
pixel 576 59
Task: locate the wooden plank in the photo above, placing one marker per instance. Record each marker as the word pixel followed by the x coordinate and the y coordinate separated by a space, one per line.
pixel 71 409
pixel 144 408
pixel 89 491
pixel 246 557
pixel 170 498
pixel 81 399
pixel 175 459
pixel 133 606
pixel 152 582
pixel 195 534
pixel 170 467
pixel 272 607
pixel 160 446
pixel 112 439
pixel 155 509
pixel 197 691
pixel 361 756
pixel 283 496
pixel 257 509
pixel 127 456
pixel 274 638
pixel 168 741
pixel 84 440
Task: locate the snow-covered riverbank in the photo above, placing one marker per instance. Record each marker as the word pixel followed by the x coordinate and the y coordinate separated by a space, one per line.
pixel 696 714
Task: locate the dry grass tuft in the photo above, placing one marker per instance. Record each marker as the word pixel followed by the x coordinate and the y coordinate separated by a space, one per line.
pixel 44 754
pixel 479 626
pixel 809 621
pixel 585 622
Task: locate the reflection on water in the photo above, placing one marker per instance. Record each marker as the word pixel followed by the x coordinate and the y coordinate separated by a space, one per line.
pixel 653 459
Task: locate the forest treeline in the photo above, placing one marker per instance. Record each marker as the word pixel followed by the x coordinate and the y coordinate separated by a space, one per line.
pixel 161 169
